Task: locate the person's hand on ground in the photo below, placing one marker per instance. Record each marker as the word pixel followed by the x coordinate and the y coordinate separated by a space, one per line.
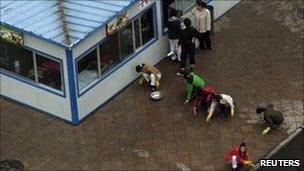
pixel 194 111
pixel 186 101
pixel 157 84
pixel 141 80
pixel 248 162
pixel 208 118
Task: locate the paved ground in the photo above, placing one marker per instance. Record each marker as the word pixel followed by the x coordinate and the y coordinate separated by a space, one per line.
pixel 258 59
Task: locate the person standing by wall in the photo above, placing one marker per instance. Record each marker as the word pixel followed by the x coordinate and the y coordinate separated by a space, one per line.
pixel 174 29
pixel 203 24
pixel 186 41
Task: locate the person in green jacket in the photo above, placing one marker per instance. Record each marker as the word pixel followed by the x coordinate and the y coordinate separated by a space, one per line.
pixel 194 84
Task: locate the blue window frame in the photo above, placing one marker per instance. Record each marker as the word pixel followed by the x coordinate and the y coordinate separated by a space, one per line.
pixel 121 46
pixel 32 67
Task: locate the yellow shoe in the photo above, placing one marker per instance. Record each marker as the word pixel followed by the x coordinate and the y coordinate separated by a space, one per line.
pixel 266 131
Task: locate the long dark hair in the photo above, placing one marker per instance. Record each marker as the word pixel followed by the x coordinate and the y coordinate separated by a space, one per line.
pixel 201 3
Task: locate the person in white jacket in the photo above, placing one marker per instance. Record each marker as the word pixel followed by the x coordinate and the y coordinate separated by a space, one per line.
pixel 203 24
pixel 225 104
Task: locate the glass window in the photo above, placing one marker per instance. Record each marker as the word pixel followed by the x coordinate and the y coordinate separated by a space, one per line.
pixel 120 44
pixel 17 60
pixel 109 52
pixel 138 42
pixel 166 10
pixel 87 69
pixel 49 72
pixel 147 26
pixel 182 6
pixel 126 41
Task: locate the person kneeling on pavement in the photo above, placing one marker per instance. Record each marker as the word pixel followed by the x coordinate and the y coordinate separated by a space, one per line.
pixel 203 99
pixel 194 84
pixel 238 156
pixel 150 74
pixel 225 104
pixel 273 118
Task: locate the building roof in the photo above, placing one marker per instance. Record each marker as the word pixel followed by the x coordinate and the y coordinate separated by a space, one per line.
pixel 64 22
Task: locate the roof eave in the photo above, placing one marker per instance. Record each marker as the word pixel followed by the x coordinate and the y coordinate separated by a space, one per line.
pixel 59 44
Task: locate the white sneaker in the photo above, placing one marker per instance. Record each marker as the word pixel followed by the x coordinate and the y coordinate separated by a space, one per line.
pixel 173 57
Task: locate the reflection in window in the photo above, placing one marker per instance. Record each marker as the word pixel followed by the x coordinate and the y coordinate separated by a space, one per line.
pixel 87 69
pixel 109 52
pixel 49 72
pixel 126 41
pixel 17 60
pixel 118 45
pixel 137 32
pixel 181 6
pixel 166 10
pixel 147 26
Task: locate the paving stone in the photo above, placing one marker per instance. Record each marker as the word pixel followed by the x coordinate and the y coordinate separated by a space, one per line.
pixel 259 62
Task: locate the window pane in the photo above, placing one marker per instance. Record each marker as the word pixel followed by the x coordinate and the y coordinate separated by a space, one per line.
pixel 87 69
pixel 137 33
pixel 126 41
pixel 182 6
pixel 49 72
pixel 109 52
pixel 166 10
pixel 147 24
pixel 17 60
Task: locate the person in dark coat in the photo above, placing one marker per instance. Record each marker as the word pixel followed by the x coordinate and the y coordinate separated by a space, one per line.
pixel 174 30
pixel 273 118
pixel 186 41
pixel 203 24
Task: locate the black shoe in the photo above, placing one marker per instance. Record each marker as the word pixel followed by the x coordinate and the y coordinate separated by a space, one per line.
pixel 153 88
pixel 212 49
pixel 200 52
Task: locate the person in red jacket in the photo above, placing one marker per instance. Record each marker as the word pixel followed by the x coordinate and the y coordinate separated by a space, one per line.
pixel 238 156
pixel 203 99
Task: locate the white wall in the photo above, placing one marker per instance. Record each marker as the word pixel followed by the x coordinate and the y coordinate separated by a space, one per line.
pixel 107 88
pixel 36 97
pixel 89 42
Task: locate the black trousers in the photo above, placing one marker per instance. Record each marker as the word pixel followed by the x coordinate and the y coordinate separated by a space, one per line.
pixel 205 41
pixel 185 54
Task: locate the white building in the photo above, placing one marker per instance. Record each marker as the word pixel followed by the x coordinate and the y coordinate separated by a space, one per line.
pixel 64 57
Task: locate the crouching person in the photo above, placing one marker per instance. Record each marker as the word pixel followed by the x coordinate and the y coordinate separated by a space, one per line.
pixel 150 74
pixel 272 117
pixel 194 84
pixel 203 100
pixel 238 157
pixel 225 104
